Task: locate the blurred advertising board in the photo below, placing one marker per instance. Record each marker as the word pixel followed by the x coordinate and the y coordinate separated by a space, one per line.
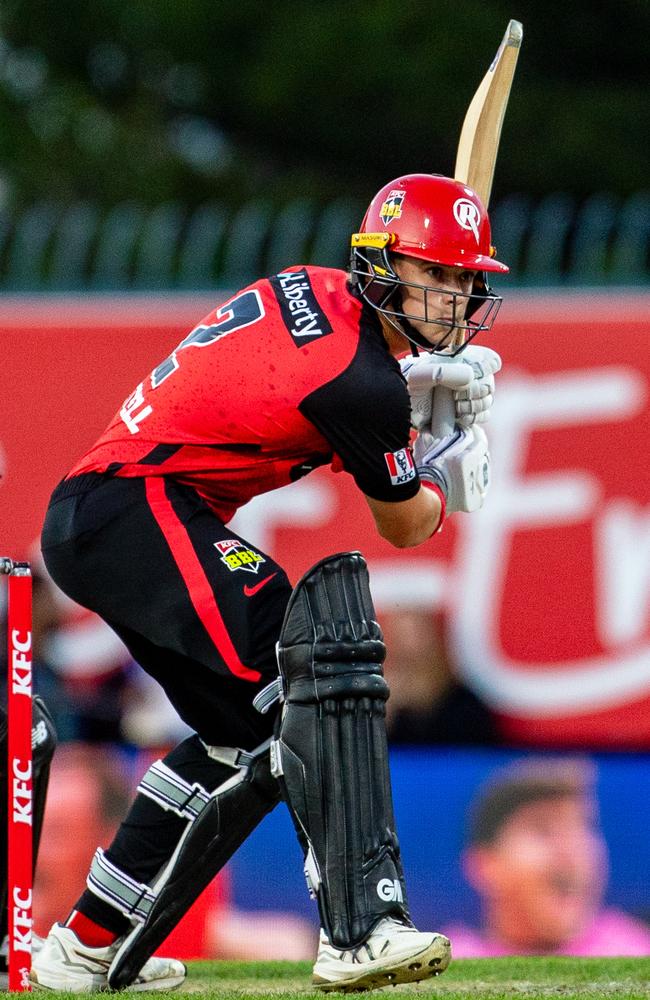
pixel 434 792
pixel 545 592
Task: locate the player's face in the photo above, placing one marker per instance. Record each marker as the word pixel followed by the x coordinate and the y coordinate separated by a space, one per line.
pixel 542 878
pixel 440 294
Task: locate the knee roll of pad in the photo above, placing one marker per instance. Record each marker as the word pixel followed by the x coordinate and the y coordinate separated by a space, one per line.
pixel 330 753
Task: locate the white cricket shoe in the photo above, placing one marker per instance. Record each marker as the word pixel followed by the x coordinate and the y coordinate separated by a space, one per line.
pixel 64 963
pixel 394 953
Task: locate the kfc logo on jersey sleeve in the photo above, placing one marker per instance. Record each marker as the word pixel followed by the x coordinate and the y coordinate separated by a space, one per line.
pixel 400 466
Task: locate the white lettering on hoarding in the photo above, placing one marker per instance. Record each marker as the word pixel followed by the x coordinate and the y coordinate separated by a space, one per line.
pixel 472 586
pixel 524 501
pixel 623 587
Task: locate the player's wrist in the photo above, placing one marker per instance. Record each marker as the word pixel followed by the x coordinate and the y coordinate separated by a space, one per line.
pixel 434 487
pixel 430 475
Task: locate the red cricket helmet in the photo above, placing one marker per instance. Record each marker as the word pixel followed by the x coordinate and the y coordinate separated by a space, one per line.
pixel 432 218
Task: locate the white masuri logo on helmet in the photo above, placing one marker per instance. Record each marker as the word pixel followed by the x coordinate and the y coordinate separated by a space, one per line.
pixel 390 890
pixel 467 215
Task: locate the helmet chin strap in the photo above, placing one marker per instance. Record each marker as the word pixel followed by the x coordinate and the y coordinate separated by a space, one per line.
pixel 390 326
pixel 416 341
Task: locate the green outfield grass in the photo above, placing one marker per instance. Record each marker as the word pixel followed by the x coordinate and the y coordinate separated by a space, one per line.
pixel 468 979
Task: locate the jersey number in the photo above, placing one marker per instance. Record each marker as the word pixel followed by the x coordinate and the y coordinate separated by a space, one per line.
pixel 241 311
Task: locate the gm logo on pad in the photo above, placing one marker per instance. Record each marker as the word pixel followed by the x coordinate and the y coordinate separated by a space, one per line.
pixel 390 890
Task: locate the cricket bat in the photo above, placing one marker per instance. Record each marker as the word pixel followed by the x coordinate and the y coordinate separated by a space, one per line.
pixel 477 156
pixel 479 138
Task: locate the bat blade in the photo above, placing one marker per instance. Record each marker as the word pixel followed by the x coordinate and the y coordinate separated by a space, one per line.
pixel 479 138
pixel 475 162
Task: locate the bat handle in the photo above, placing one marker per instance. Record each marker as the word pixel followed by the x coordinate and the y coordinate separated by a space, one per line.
pixel 443 413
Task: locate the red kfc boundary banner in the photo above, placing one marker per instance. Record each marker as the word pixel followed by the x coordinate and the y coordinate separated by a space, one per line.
pixel 546 591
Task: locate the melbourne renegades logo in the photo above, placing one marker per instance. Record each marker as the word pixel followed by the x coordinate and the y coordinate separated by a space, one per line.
pixel 468 216
pixel 235 554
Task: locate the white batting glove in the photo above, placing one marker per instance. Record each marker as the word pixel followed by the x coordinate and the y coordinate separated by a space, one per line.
pixel 423 374
pixel 458 464
pixel 474 401
pixel 470 377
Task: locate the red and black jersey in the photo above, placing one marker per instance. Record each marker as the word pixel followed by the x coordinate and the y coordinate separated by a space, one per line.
pixel 290 373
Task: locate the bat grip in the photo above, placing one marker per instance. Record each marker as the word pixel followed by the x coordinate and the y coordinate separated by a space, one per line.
pixel 443 412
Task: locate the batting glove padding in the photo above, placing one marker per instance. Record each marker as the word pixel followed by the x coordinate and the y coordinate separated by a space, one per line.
pixel 458 464
pixel 470 378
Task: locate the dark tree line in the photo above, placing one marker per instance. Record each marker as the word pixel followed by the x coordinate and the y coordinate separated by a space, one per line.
pixel 158 100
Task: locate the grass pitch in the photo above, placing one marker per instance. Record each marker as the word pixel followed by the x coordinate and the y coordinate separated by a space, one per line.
pixel 466 979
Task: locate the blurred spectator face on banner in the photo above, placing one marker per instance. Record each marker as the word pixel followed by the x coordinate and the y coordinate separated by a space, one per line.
pixel 429 703
pixel 536 856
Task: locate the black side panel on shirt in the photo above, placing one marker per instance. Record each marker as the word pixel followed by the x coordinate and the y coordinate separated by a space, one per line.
pixel 365 415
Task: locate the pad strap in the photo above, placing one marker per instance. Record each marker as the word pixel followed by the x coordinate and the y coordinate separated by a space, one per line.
pixel 172 792
pixel 114 886
pixel 233 757
pixel 232 811
pixel 268 695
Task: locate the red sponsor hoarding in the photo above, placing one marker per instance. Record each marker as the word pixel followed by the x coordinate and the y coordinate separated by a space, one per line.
pixel 545 590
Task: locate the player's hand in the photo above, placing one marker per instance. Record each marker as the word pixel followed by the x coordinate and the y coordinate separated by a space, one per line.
pixel 459 464
pixel 474 401
pixel 423 374
pixel 470 377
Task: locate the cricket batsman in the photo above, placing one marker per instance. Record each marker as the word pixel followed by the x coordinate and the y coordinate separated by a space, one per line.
pixel 295 371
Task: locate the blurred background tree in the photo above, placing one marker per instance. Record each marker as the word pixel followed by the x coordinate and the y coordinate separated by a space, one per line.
pixel 160 144
pixel 158 100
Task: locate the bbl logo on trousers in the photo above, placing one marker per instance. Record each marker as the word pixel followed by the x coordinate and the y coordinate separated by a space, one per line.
pixel 235 554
